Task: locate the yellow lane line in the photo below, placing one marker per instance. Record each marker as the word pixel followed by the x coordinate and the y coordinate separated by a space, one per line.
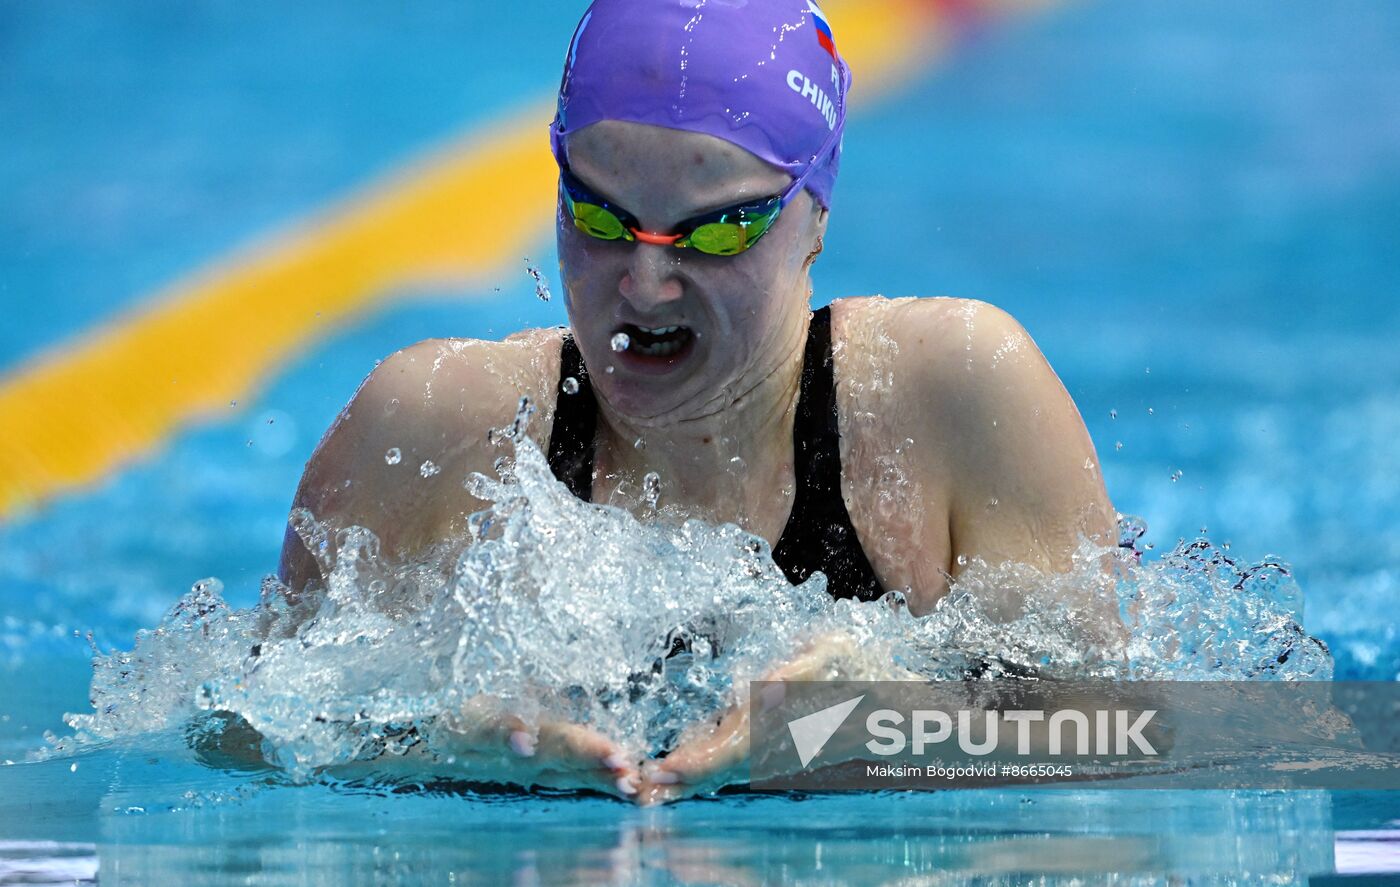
pixel 87 406
pixel 90 405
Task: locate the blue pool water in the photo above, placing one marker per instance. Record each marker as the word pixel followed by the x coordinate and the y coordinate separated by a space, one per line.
pixel 1192 208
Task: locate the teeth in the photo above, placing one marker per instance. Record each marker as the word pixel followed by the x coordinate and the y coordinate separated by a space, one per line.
pixel 659 349
pixel 667 341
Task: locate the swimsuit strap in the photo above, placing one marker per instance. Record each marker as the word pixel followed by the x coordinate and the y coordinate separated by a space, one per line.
pixel 575 422
pixel 819 534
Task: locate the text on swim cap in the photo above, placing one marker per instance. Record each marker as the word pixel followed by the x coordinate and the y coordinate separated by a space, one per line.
pixel 801 84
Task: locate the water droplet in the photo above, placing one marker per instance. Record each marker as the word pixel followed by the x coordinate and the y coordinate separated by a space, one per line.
pixel 428 469
pixel 523 411
pixel 737 462
pixel 620 341
pixel 962 560
pixel 1176 475
pixel 73 768
pixel 651 488
pixel 1148 371
pixel 609 370
pixel 993 502
pixel 639 444
pixel 393 456
pixel 1149 411
pixel 541 287
pixel 1118 445
pixel 391 406
pixel 270 421
pixel 233 403
pixel 570 385
pixel 1113 414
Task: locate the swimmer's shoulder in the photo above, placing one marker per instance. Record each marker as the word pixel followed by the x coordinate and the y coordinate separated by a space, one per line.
pixel 924 331
pixel 991 422
pixel 937 344
pixel 952 372
pixel 396 457
pixel 454 386
pixel 442 396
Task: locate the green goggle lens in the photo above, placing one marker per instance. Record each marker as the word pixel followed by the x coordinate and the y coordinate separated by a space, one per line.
pixel 730 238
pixel 595 221
pixel 720 239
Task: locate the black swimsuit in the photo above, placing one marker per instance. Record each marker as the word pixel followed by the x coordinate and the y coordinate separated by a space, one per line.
pixel 818 535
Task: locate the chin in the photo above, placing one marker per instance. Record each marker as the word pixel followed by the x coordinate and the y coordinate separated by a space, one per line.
pixel 641 400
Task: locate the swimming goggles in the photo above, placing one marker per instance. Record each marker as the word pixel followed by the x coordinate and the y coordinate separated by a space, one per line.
pixel 723 232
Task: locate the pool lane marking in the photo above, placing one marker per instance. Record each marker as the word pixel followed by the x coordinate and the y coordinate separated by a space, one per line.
pixel 91 405
pixel 88 406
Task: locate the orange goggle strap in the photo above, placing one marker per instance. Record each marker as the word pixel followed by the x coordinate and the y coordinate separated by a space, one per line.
pixel 648 237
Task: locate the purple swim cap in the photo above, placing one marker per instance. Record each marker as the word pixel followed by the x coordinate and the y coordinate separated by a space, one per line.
pixel 762 74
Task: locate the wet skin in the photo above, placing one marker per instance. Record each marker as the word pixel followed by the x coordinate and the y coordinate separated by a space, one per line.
pixel 958 441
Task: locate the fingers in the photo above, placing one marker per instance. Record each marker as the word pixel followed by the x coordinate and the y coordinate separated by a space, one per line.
pixel 553 754
pixel 590 753
pixel 566 755
pixel 522 742
pixel 711 758
pixel 704 761
pixel 651 794
pixel 714 752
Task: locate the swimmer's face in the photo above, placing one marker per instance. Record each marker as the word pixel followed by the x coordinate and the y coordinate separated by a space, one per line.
pixel 738 317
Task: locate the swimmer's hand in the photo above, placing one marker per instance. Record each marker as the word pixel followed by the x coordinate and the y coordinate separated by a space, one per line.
pixel 715 753
pixel 551 754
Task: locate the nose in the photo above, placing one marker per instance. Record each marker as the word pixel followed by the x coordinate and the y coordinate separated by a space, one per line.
pixel 650 280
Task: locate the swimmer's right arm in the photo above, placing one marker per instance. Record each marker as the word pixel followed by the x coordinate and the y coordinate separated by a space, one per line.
pixel 350 481
pixel 395 458
pixel 435 402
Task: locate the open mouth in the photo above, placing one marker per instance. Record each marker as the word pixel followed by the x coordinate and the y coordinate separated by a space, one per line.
pixel 654 342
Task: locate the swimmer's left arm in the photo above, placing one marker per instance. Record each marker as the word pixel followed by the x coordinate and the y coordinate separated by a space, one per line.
pixel 1023 485
pixel 1024 479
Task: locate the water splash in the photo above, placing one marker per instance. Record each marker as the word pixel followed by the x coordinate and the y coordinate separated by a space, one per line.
pixel 541 285
pixel 556 608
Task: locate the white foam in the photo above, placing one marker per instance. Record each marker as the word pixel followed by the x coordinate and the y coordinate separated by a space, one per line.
pixel 561 608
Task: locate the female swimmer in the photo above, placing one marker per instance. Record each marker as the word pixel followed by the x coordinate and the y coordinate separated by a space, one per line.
pixel 884 443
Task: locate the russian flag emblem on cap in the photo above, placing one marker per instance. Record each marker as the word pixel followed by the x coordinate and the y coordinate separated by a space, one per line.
pixel 823 29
